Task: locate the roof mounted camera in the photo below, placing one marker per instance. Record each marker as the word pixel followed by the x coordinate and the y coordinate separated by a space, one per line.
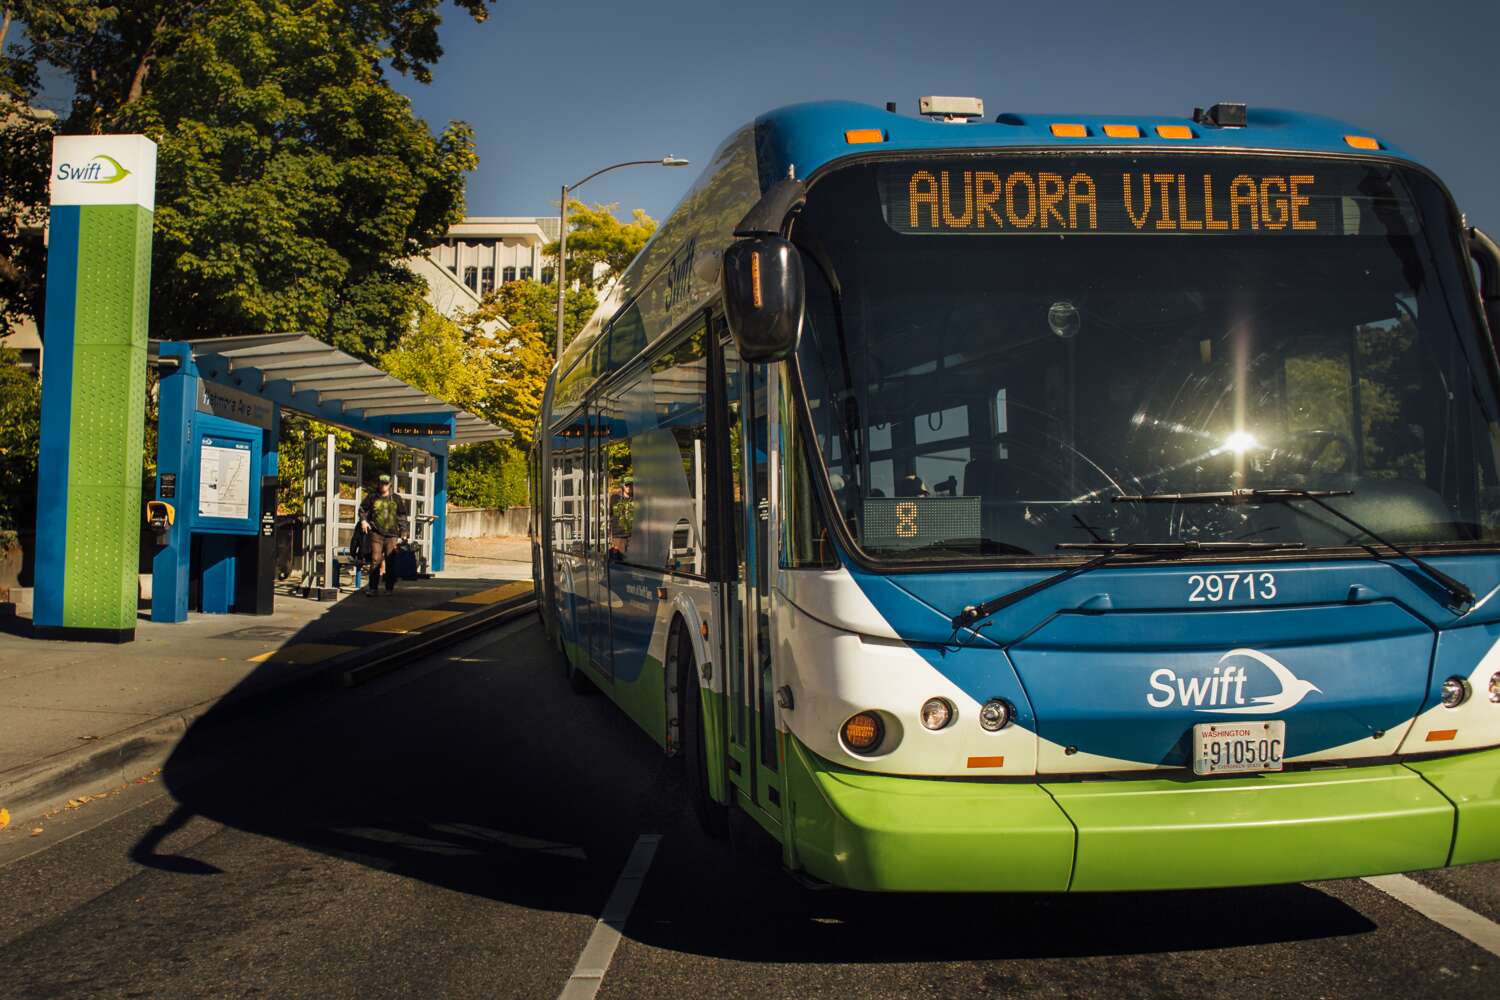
pixel 1225 114
pixel 951 109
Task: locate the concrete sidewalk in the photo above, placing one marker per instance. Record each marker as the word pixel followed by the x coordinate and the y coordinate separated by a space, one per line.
pixel 95 713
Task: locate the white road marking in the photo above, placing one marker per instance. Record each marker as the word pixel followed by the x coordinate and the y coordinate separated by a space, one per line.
pixel 593 963
pixel 1441 910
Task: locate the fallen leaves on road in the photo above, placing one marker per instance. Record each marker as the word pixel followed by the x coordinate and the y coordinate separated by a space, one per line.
pixel 36 831
pixel 4 818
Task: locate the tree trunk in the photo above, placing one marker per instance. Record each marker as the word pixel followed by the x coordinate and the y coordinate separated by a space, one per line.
pixel 143 67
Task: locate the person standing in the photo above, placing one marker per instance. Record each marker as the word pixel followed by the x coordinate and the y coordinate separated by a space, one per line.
pixel 382 515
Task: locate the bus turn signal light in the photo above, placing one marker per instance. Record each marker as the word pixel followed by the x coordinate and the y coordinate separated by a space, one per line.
pixel 986 761
pixel 1362 142
pixel 859 135
pixel 862 732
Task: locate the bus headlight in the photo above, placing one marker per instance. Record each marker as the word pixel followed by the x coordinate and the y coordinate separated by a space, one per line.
pixel 1456 691
pixel 1495 688
pixel 995 714
pixel 936 713
pixel 862 732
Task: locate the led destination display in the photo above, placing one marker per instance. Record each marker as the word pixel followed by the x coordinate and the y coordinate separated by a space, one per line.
pixel 1139 196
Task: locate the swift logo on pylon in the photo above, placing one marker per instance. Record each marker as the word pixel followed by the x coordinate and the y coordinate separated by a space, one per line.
pixel 101 169
pixel 1223 693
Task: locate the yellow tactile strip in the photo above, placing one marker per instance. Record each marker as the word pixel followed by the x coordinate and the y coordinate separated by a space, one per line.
pixel 302 653
pixel 366 636
pixel 494 595
pixel 411 621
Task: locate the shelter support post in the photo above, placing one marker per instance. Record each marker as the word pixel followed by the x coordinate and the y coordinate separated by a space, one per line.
pixel 439 529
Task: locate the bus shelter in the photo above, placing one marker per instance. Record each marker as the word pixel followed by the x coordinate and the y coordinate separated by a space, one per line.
pixel 214 506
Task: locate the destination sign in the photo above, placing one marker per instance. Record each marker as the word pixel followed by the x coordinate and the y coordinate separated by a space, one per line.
pixel 1140 195
pixel 409 429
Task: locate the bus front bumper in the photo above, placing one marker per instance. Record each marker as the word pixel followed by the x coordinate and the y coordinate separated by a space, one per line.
pixel 881 832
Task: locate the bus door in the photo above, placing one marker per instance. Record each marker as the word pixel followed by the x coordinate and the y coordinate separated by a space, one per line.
pixel 596 544
pixel 753 746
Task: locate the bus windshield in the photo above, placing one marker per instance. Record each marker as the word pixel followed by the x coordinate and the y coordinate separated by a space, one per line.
pixel 997 347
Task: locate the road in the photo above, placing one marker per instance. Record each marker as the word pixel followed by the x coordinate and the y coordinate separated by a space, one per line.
pixel 456 828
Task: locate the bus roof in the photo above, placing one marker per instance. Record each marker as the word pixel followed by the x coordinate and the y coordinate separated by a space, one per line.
pixel 675 274
pixel 809 136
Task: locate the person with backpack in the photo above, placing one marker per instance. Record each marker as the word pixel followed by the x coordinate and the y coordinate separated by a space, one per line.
pixel 382 515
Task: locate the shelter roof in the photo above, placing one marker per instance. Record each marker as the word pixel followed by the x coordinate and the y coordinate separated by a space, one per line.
pixel 339 384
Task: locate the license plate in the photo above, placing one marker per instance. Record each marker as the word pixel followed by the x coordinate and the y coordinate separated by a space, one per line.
pixel 1228 748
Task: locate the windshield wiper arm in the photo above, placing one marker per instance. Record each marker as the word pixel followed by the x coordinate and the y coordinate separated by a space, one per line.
pixel 1108 552
pixel 1458 592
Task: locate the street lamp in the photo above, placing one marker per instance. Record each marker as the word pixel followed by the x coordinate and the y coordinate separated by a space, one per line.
pixel 562 228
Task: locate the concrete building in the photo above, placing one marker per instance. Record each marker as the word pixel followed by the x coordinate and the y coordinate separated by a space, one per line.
pixel 481 253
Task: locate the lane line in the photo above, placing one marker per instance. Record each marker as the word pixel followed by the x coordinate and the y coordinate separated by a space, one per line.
pixel 1441 910
pixel 593 963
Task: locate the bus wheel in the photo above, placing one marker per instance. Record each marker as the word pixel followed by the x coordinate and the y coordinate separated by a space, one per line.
pixel 579 681
pixel 711 815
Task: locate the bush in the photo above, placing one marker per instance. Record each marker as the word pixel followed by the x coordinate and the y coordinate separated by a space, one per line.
pixel 492 474
pixel 20 439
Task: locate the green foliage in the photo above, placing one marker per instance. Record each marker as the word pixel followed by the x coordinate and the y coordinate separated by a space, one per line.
pixel 595 236
pixel 519 370
pixel 491 474
pixel 20 436
pixel 435 357
pixel 522 302
pixel 292 179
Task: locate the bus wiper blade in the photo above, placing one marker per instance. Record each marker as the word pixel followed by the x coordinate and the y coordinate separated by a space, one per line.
pixel 1108 552
pixel 1230 496
pixel 1461 596
pixel 1179 548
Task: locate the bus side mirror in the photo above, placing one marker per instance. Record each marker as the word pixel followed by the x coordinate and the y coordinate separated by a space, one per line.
pixel 763 296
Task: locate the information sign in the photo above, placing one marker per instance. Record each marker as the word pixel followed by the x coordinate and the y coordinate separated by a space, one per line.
pixel 224 478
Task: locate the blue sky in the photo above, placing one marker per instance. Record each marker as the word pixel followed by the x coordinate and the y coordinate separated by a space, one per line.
pixel 556 91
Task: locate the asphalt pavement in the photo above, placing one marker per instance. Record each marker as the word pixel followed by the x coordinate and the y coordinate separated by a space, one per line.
pixel 456 829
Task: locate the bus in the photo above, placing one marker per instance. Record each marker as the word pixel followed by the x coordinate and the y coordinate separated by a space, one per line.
pixel 1047 503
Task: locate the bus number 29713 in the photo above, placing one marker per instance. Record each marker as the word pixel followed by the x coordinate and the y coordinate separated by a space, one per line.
pixel 1215 587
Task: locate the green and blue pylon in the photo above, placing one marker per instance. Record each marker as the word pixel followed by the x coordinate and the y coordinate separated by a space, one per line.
pixel 94 337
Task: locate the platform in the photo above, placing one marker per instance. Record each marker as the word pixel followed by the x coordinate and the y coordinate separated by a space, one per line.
pixel 59 699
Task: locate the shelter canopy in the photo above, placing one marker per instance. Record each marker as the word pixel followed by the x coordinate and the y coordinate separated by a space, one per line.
pixel 302 373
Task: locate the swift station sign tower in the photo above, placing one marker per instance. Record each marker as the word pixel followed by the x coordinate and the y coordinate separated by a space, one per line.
pixel 93 394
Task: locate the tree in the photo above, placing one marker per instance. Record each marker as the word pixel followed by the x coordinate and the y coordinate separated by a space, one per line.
pixel 292 180
pixel 595 236
pixel 435 357
pixel 531 302
pixel 519 378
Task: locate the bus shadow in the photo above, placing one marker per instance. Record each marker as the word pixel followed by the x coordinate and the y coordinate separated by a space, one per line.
pixel 787 923
pixel 486 776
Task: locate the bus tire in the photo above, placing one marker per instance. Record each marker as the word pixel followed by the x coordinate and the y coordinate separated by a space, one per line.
pixel 578 680
pixel 711 815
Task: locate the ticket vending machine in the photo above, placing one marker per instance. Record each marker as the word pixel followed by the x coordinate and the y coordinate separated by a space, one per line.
pixel 216 468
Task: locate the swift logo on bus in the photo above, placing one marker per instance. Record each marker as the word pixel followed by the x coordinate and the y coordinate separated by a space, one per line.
pixel 1223 693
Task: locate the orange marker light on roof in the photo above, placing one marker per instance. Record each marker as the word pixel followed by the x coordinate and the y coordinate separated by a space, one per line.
pixel 1069 131
pixel 1362 142
pixel 1123 131
pixel 1174 131
pixel 858 135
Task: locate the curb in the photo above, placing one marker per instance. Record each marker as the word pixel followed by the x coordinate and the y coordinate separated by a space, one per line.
pixel 120 758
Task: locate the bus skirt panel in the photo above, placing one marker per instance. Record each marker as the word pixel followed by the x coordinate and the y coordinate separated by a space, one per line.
pixel 890 833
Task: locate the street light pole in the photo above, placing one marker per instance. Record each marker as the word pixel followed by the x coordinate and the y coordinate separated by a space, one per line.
pixel 562 230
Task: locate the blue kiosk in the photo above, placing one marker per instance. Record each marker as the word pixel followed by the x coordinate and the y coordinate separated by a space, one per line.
pixel 214 505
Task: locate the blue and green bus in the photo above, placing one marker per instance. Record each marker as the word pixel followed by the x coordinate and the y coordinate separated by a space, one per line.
pixel 1047 503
